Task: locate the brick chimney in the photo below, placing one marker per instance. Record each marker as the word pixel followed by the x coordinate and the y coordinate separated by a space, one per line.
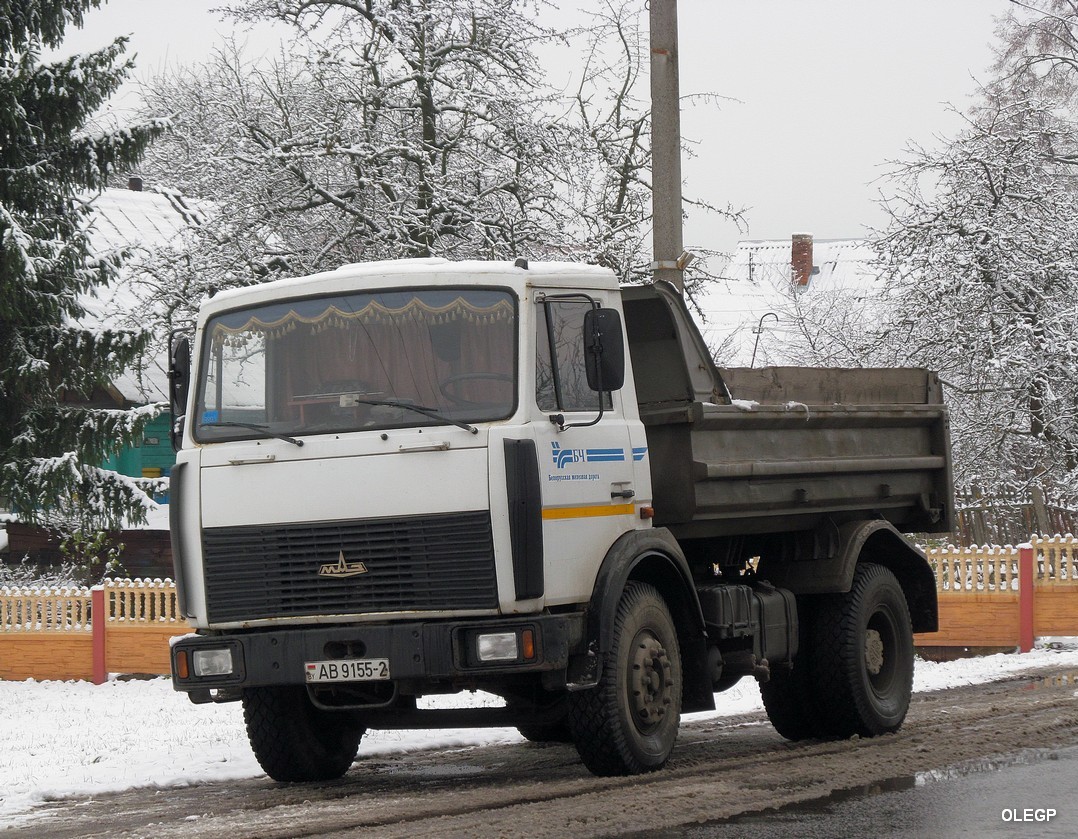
pixel 134 183
pixel 801 258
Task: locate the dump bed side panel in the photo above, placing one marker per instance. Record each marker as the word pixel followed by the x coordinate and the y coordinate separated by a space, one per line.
pixel 768 468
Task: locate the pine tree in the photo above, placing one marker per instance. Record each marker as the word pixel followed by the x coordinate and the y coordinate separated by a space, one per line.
pixel 50 438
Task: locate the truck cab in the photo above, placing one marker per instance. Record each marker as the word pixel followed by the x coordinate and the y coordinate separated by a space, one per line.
pixel 357 449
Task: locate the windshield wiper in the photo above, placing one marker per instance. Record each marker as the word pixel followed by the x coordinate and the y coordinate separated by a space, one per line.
pixel 254 427
pixel 433 413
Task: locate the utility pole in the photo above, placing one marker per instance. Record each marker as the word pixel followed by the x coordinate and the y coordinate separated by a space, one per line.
pixel 668 252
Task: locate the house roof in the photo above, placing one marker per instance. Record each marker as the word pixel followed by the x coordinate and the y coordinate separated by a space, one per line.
pixel 147 218
pixel 758 282
pixel 143 222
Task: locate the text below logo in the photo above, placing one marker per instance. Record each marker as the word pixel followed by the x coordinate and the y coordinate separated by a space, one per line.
pixel 342 568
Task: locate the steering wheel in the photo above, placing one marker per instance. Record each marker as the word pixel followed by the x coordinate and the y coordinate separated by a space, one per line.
pixel 338 387
pixel 446 386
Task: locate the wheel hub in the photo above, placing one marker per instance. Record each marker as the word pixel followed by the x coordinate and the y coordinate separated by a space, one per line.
pixel 649 680
pixel 873 651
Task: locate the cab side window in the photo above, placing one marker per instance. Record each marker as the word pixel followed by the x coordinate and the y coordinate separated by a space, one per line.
pixel 561 382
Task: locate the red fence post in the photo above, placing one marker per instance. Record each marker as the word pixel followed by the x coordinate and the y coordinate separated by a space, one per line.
pixel 97 622
pixel 1025 598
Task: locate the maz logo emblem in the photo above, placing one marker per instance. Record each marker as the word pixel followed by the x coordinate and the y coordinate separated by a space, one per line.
pixel 341 568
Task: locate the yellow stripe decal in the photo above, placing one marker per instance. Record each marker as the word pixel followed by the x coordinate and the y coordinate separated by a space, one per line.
pixel 588 512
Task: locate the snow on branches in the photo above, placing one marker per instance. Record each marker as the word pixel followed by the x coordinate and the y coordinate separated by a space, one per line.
pixel 388 130
pixel 50 438
pixel 981 257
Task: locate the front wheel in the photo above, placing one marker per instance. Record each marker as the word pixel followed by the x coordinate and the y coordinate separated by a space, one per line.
pixel 556 732
pixel 295 741
pixel 553 712
pixel 627 724
pixel 862 656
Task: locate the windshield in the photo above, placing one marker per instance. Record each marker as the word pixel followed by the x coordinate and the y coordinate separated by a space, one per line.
pixel 357 362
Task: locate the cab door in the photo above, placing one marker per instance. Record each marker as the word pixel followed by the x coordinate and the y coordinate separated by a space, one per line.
pixel 587 463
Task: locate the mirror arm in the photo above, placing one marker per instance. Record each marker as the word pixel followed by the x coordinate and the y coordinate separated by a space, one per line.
pixel 559 420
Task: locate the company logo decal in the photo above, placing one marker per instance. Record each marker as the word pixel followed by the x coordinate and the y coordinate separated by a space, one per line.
pixel 563 457
pixel 342 568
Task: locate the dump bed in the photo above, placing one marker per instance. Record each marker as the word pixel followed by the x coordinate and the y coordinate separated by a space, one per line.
pixel 775 449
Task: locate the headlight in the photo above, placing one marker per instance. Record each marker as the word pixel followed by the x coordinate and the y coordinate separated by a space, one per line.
pixel 497 646
pixel 212 662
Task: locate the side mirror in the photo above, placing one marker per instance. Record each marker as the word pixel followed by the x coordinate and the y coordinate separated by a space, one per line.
pixel 179 382
pixel 604 349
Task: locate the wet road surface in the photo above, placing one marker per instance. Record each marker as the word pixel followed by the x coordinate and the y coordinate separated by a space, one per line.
pixel 1024 730
pixel 1029 794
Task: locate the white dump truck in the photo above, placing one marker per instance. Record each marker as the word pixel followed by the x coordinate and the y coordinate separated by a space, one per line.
pixel 412 478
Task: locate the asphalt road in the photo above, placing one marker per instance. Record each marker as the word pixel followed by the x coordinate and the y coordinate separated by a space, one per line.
pixel 963 757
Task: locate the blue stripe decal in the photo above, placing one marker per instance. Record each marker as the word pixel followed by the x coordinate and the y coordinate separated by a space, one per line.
pixel 563 457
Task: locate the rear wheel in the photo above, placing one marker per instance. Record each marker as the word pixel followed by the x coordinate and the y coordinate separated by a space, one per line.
pixel 862 656
pixel 627 724
pixel 295 741
pixel 789 695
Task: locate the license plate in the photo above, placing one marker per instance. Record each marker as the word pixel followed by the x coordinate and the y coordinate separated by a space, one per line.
pixel 351 670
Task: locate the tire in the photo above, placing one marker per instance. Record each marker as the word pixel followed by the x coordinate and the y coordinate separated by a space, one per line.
pixel 627 724
pixel 862 656
pixel 550 733
pixel 554 729
pixel 789 695
pixel 293 740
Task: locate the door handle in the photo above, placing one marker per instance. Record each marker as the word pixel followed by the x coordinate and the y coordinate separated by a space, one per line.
pixel 240 460
pixel 426 447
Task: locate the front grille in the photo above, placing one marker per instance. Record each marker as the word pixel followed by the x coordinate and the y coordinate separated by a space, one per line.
pixel 416 563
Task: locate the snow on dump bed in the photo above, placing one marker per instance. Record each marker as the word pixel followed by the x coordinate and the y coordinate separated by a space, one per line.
pixel 75 738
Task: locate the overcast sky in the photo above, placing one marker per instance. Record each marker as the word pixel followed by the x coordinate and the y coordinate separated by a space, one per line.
pixel 827 91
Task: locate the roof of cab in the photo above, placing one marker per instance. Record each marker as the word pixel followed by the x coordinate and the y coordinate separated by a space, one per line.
pixel 364 276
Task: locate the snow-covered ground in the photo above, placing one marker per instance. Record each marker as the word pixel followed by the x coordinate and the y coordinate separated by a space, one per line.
pixel 74 738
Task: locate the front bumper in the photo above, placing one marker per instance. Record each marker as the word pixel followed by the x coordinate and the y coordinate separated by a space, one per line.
pixel 417 651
